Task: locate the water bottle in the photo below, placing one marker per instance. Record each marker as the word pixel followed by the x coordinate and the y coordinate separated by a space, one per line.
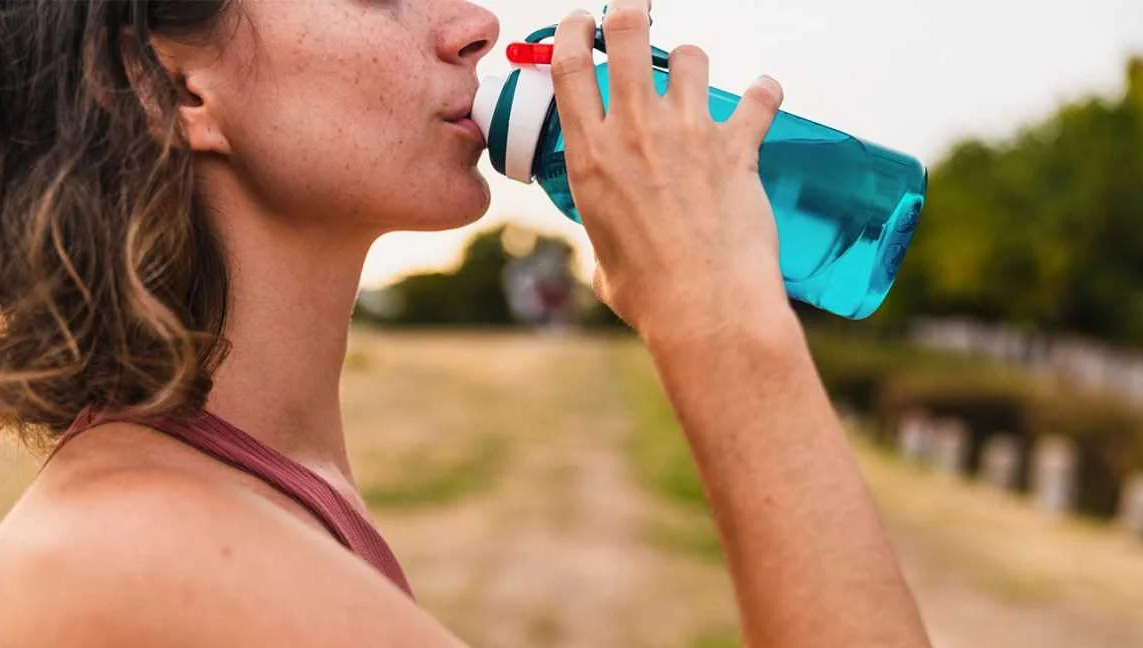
pixel 845 209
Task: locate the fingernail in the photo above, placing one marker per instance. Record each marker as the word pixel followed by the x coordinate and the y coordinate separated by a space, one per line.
pixel 768 82
pixel 580 12
pixel 608 6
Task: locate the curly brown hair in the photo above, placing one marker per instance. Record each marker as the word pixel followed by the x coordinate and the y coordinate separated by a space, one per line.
pixel 113 286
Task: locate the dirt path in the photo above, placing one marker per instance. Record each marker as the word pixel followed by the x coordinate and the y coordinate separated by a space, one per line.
pixel 553 554
pixel 991 571
pixel 550 555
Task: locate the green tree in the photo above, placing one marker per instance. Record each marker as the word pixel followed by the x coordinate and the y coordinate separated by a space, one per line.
pixel 1042 230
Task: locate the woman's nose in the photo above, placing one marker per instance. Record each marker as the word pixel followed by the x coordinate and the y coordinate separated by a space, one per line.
pixel 470 35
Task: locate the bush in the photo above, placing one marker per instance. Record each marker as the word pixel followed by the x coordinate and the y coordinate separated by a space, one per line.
pixel 987 403
pixel 886 381
pixel 1108 435
pixel 858 371
pixel 984 401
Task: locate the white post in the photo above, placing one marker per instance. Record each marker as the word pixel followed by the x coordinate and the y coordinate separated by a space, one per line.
pixel 951 447
pixel 1054 467
pixel 914 437
pixel 1131 504
pixel 1001 462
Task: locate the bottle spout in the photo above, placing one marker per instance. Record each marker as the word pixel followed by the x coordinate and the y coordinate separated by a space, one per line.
pixel 484 106
pixel 511 112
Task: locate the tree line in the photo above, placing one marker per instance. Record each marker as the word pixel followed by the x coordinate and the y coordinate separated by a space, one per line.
pixel 1043 230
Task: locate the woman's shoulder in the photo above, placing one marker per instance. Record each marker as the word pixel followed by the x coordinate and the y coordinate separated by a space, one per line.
pixel 99 530
pixel 123 481
pixel 104 550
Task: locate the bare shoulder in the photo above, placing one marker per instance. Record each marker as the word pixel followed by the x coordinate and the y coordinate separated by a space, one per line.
pixel 140 554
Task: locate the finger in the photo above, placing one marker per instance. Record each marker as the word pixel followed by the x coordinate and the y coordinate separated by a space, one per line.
pixel 573 74
pixel 755 114
pixel 690 79
pixel 627 29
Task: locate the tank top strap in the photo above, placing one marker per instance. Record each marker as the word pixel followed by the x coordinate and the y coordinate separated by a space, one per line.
pixel 215 437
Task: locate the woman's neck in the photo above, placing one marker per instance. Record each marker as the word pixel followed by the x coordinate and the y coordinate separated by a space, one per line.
pixel 291 299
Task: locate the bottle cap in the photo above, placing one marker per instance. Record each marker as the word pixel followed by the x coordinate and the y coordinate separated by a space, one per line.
pixel 511 111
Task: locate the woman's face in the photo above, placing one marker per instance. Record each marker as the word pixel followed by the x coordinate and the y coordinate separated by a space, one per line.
pixel 353 113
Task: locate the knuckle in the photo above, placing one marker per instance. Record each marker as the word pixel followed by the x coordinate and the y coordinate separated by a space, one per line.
pixel 695 121
pixel 637 133
pixel 695 132
pixel 584 171
pixel 566 64
pixel 627 18
pixel 629 139
pixel 662 130
pixel 585 163
pixel 738 153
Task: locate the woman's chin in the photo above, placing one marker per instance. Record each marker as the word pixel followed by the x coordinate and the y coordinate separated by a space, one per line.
pixel 473 200
pixel 463 204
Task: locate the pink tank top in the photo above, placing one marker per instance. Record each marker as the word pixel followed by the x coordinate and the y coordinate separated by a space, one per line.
pixel 215 437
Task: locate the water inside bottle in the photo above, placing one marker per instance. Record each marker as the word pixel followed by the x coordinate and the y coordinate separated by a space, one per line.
pixel 821 215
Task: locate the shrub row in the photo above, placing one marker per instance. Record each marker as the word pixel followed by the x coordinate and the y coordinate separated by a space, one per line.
pixel 884 381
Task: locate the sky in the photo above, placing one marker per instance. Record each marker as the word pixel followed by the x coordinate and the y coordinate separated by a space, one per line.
pixel 914 75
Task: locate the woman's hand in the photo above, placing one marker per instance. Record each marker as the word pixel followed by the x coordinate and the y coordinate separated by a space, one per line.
pixel 683 231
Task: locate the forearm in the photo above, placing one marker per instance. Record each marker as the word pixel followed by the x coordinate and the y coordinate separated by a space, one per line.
pixel 810 561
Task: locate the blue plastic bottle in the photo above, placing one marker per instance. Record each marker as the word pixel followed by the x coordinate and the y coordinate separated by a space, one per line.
pixel 845 209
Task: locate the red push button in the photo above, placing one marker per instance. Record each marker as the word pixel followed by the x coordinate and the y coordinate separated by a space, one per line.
pixel 530 53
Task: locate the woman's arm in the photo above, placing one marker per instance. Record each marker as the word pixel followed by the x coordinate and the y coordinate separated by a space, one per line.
pixel 688 255
pixel 809 559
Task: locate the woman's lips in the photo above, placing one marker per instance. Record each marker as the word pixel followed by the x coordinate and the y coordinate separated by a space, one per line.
pixel 469 128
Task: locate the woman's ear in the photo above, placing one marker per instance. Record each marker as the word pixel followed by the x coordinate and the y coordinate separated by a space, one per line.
pixel 198 116
pixel 196 105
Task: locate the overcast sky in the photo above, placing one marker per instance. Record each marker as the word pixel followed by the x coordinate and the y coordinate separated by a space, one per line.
pixel 915 75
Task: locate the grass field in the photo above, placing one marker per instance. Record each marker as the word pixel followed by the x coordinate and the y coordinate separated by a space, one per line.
pixel 538 493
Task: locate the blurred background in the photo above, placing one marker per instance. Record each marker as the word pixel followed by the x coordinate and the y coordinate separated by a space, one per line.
pixel 518 453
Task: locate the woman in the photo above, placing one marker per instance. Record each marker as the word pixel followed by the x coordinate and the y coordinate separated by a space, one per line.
pixel 188 192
